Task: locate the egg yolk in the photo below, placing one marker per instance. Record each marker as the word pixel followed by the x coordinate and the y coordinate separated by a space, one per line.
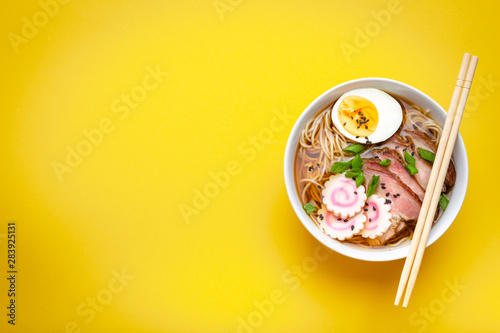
pixel 358 115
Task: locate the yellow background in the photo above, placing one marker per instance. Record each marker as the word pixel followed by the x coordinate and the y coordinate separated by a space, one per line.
pixel 230 72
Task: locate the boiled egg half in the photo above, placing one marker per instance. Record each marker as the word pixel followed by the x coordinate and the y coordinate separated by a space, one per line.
pixel 367 115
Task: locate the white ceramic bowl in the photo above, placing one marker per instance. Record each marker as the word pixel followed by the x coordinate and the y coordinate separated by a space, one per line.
pixel 385 253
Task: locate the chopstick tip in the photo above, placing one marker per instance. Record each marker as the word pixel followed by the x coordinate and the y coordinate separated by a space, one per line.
pixel 406 301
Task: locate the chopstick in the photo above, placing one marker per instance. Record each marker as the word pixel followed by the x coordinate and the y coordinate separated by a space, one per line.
pixel 436 180
pixel 433 177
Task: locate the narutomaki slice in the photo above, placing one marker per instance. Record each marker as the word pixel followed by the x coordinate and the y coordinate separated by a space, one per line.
pixel 338 227
pixel 342 197
pixel 378 217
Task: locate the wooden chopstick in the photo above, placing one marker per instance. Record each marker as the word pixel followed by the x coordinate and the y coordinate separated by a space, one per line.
pixel 433 177
pixel 436 180
pixel 443 169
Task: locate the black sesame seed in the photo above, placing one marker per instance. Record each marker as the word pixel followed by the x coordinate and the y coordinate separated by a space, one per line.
pixel 366 204
pixel 357 136
pixel 370 219
pixel 376 156
pixel 382 183
pixel 374 208
pixel 319 186
pixel 411 146
pixel 396 147
pixel 394 195
pixel 398 194
pixel 346 220
pixel 383 187
pixel 344 124
pixel 413 154
pixel 366 137
pixel 366 127
pixel 387 201
pixel 352 227
pixel 366 209
pixel 414 126
pixel 339 219
pixel 321 216
pixel 387 194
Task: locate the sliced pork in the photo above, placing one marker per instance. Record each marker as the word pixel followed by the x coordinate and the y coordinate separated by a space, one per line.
pixel 405 204
pixel 397 167
pixel 402 144
pixel 422 140
pixel 398 143
pixel 424 168
pixel 396 228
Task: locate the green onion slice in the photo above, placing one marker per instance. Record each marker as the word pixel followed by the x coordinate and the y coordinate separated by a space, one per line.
pixel 354 149
pixel 360 179
pixel 443 201
pixel 357 162
pixel 309 208
pixel 353 172
pixel 385 162
pixel 411 169
pixel 409 159
pixel 373 185
pixel 339 167
pixel 426 155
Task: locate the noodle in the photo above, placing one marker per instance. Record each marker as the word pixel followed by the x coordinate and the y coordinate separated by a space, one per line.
pixel 320 146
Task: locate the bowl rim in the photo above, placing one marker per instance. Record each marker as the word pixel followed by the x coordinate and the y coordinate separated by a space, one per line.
pixel 353 250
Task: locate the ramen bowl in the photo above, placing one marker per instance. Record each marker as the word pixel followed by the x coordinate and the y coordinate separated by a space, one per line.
pixel 381 253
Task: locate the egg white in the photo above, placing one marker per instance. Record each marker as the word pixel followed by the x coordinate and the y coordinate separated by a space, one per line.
pixel 390 114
